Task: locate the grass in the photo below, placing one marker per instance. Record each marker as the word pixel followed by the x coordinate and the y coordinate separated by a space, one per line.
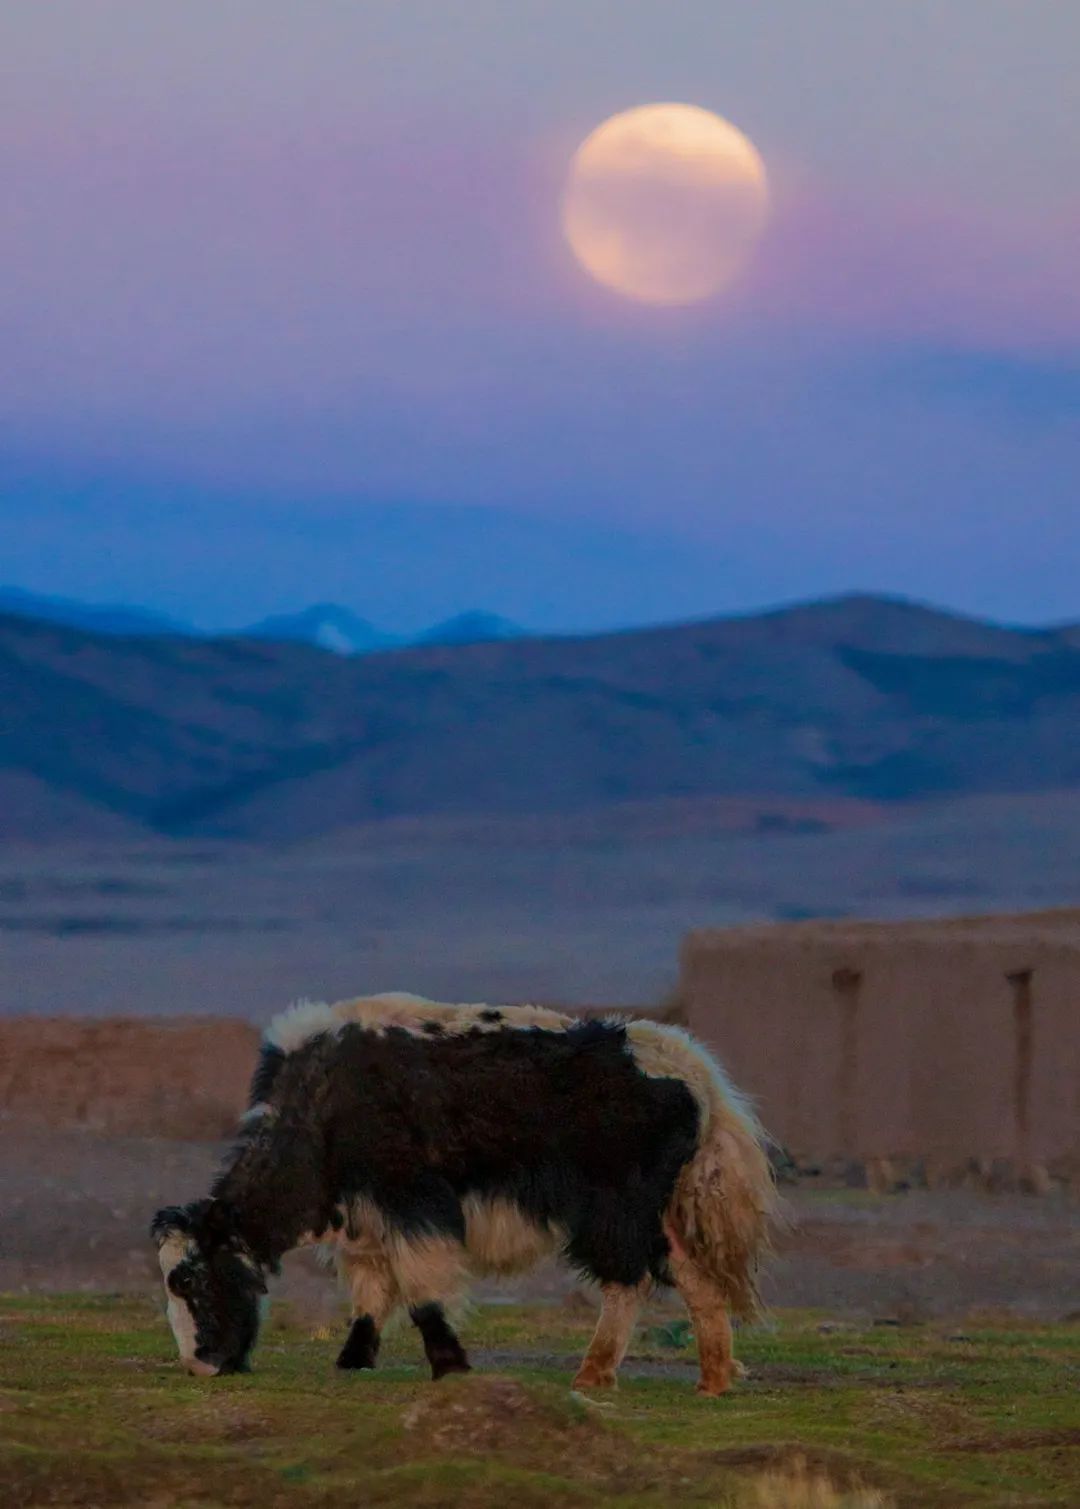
pixel 94 1411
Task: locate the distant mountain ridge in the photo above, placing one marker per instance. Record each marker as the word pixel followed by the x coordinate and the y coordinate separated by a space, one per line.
pixel 103 619
pixel 335 628
pixel 852 698
pixel 327 625
pixel 471 628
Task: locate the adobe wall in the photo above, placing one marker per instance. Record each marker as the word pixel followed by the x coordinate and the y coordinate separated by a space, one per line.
pixel 167 1077
pixel 935 1049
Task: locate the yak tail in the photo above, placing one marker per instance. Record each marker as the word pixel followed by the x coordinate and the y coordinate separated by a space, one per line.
pixel 725 1199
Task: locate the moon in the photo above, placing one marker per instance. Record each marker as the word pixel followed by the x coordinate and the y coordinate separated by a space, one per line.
pixel 665 203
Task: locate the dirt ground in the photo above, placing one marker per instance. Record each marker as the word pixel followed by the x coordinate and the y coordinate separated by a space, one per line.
pixel 75 1206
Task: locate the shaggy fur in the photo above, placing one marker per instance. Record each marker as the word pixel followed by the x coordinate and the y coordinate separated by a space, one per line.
pixel 428 1143
pixel 725 1198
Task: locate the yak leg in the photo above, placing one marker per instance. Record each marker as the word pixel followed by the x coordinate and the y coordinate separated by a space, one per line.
pixel 430 1272
pixel 619 1308
pixel 373 1293
pixel 441 1346
pixel 705 1301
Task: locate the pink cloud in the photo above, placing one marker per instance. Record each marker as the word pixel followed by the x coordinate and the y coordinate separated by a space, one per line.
pixel 923 270
pixel 217 266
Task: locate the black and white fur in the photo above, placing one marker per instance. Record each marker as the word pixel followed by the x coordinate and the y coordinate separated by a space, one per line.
pixel 427 1144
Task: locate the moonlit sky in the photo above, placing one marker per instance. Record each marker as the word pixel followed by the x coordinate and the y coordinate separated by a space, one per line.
pixel 286 314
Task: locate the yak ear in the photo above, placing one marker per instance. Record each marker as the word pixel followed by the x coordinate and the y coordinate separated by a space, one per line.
pixel 169 1220
pixel 197 1219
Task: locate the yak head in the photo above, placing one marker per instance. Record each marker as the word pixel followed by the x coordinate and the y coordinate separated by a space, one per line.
pixel 213 1286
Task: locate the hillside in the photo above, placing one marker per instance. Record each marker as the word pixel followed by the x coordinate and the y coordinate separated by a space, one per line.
pixel 854 698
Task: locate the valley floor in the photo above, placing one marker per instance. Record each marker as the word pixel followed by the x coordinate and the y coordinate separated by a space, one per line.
pixel 587 908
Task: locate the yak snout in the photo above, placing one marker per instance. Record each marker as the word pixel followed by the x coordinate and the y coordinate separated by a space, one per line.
pixel 200 1367
pixel 208 1364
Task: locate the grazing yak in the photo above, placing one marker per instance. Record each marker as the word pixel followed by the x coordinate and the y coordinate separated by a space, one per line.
pixel 425 1144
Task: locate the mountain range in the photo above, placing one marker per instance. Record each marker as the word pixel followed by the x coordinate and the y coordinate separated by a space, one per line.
pixel 327 625
pixel 104 619
pixel 345 633
pixel 860 698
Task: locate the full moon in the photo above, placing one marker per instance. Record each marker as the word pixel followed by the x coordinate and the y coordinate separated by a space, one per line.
pixel 665 203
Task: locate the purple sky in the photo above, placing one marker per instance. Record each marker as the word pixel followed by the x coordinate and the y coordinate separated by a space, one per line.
pixel 286 314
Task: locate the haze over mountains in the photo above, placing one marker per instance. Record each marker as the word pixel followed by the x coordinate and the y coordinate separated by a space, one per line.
pixel 810 709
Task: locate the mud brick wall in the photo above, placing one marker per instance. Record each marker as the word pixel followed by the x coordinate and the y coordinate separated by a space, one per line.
pixel 166 1077
pixel 933 1051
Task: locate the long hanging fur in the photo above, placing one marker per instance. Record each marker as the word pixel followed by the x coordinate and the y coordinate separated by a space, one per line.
pixel 725 1199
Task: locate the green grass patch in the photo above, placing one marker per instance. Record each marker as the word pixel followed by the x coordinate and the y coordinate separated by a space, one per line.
pixel 94 1410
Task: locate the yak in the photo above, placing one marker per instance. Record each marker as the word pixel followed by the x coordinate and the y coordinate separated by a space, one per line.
pixel 425 1144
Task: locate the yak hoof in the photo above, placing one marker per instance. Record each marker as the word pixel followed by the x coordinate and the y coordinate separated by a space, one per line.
pixel 442 1369
pixel 361 1345
pixel 355 1364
